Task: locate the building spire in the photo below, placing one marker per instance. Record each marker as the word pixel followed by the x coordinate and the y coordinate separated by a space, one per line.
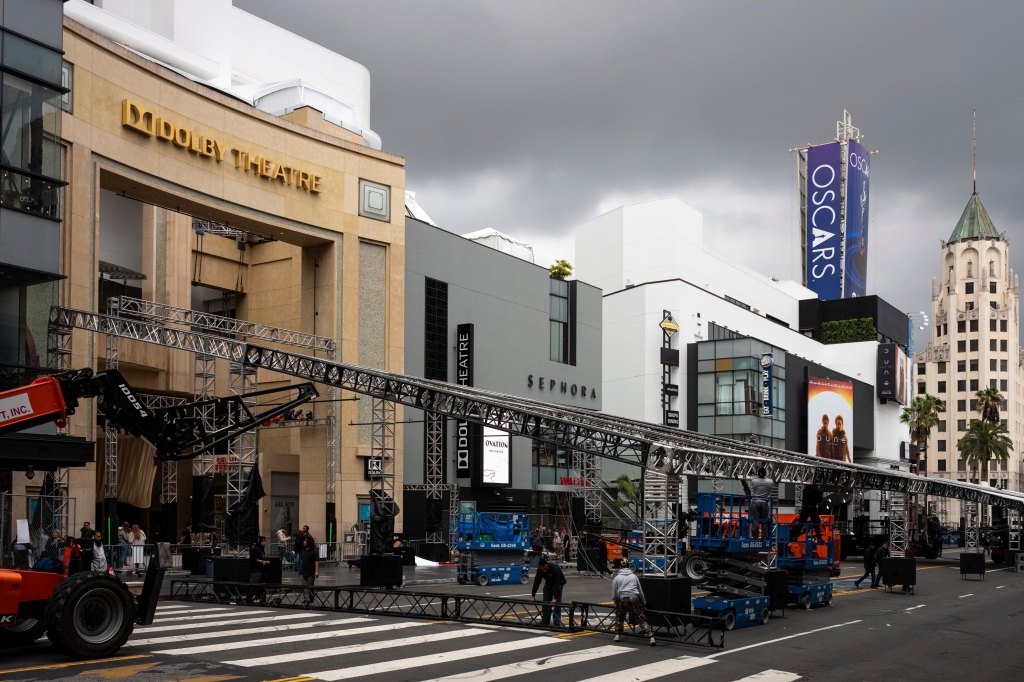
pixel 974 149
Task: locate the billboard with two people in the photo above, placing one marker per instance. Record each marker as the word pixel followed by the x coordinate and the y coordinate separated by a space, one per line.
pixel 830 419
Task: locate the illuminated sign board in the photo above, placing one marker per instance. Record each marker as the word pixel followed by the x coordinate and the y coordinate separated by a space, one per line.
pixel 830 419
pixel 823 266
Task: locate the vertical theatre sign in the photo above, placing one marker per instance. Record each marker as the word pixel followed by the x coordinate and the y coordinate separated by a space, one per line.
pixel 858 165
pixel 823 265
pixel 464 430
pixel 767 374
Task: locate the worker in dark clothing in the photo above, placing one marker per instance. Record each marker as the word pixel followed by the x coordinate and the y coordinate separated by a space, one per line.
pixel 257 565
pixel 881 554
pixel 554 581
pixel 808 513
pixel 870 564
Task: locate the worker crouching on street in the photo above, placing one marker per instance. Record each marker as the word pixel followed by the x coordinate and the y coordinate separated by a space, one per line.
pixel 554 581
pixel 630 603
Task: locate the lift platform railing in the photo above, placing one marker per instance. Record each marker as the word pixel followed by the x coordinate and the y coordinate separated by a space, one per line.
pixel 680 628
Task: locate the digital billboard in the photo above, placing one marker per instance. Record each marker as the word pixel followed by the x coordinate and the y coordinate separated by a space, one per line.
pixel 830 419
pixel 823 266
pixel 857 193
pixel 496 464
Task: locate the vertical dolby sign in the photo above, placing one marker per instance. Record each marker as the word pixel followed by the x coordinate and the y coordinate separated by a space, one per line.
pixel 858 167
pixel 823 267
pixel 464 377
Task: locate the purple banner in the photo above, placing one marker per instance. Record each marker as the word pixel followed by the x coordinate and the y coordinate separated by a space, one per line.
pixel 857 192
pixel 823 265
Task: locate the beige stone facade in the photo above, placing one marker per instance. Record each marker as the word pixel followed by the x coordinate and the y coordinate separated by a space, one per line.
pixel 199 159
pixel 974 345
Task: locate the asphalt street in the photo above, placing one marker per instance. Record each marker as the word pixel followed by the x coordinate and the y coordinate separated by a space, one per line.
pixel 950 628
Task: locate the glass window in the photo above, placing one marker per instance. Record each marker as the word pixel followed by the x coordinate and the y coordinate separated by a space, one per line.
pixel 920 387
pixel 942 445
pixel 705 388
pixel 992 365
pixel 941 387
pixel 559 305
pixel 1002 365
pixel 961 424
pixel 942 465
pixel 991 344
pixel 974 325
pixel 974 345
pixel 992 287
pixel 557 338
pixel 942 425
pixel 961 365
pixel 961 385
pixel 1002 345
pixel 991 325
pixel 1002 325
pixel 974 364
pixel 961 346
pixel 31 58
pixel 942 368
pixel 921 368
pixel 974 384
pixel 1002 384
pixel 961 405
pixel 961 326
pixel 960 465
pixel 30 128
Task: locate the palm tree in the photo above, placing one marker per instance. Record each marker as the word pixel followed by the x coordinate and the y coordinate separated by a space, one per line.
pixel 984 440
pixel 627 495
pixel 989 402
pixel 921 416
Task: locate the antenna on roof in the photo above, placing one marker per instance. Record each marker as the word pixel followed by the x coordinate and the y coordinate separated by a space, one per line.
pixel 974 148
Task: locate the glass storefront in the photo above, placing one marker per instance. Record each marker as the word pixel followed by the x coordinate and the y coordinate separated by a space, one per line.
pixel 729 390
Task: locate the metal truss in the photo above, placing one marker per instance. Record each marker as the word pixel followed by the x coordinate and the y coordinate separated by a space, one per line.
pixel 220 325
pixel 677 628
pixel 660 524
pixel 969 509
pixel 169 468
pixel 204 388
pixel 588 485
pixel 1013 523
pixel 666 450
pixel 452 490
pixel 434 463
pixel 898 525
pixel 57 506
pixel 222 230
pixel 383 437
pixel 242 449
pixel 110 434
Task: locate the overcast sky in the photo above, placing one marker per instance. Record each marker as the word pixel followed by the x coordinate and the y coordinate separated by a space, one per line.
pixel 534 116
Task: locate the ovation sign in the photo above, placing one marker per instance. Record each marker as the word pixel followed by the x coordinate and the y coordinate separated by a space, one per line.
pixel 143 120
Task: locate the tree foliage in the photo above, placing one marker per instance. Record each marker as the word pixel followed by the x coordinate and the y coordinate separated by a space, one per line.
pixel 627 495
pixel 989 402
pixel 849 331
pixel 560 269
pixel 921 416
pixel 983 441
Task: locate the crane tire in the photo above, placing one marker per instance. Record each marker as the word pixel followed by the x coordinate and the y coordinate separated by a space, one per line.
pixel 90 615
pixel 26 631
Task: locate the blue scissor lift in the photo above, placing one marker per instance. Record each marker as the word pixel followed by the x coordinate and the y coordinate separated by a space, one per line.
pixel 492 548
pixel 807 562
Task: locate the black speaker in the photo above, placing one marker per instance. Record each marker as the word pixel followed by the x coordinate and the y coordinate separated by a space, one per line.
pixel 380 570
pixel 971 562
pixel 272 573
pixel 579 515
pixel 899 571
pixel 669 594
pixel 431 551
pixel 231 569
pixel 775 588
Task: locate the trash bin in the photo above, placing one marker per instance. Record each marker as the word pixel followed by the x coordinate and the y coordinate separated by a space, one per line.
pixel 209 567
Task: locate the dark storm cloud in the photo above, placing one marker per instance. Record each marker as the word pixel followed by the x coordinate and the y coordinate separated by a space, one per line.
pixel 531 117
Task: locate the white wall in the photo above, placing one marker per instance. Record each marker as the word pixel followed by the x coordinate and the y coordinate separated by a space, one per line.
pixel 663 239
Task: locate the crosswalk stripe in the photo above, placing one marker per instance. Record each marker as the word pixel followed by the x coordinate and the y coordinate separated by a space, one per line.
pixel 220 623
pixel 433 659
pixel 172 607
pixel 653 670
pixel 771 676
pixel 216 634
pixel 178 611
pixel 354 648
pixel 303 637
pixel 501 672
pixel 178 619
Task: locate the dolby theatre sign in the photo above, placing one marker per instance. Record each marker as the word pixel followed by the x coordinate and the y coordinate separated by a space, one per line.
pixel 142 120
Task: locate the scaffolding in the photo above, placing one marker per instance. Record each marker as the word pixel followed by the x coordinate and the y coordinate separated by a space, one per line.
pixel 669 452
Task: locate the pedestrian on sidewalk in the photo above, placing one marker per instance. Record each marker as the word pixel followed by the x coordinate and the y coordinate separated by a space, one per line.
pixel 99 558
pixel 257 565
pixel 282 540
pixel 630 602
pixel 554 582
pixel 297 549
pixel 310 567
pixel 137 538
pixel 869 565
pixel 881 554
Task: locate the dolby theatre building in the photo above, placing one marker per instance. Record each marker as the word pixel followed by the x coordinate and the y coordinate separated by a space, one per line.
pixel 220 168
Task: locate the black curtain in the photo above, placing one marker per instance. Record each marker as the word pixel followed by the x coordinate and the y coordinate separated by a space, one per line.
pixel 243 518
pixel 202 504
pixel 383 510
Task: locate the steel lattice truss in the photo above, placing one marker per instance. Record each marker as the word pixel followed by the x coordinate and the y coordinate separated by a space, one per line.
pixel 1013 522
pixel 970 511
pixel 168 469
pixel 203 384
pixel 588 487
pixel 898 525
pixel 664 449
pixel 220 325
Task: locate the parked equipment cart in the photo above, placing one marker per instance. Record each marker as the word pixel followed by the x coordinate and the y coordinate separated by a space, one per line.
pixel 735 612
pixel 492 548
